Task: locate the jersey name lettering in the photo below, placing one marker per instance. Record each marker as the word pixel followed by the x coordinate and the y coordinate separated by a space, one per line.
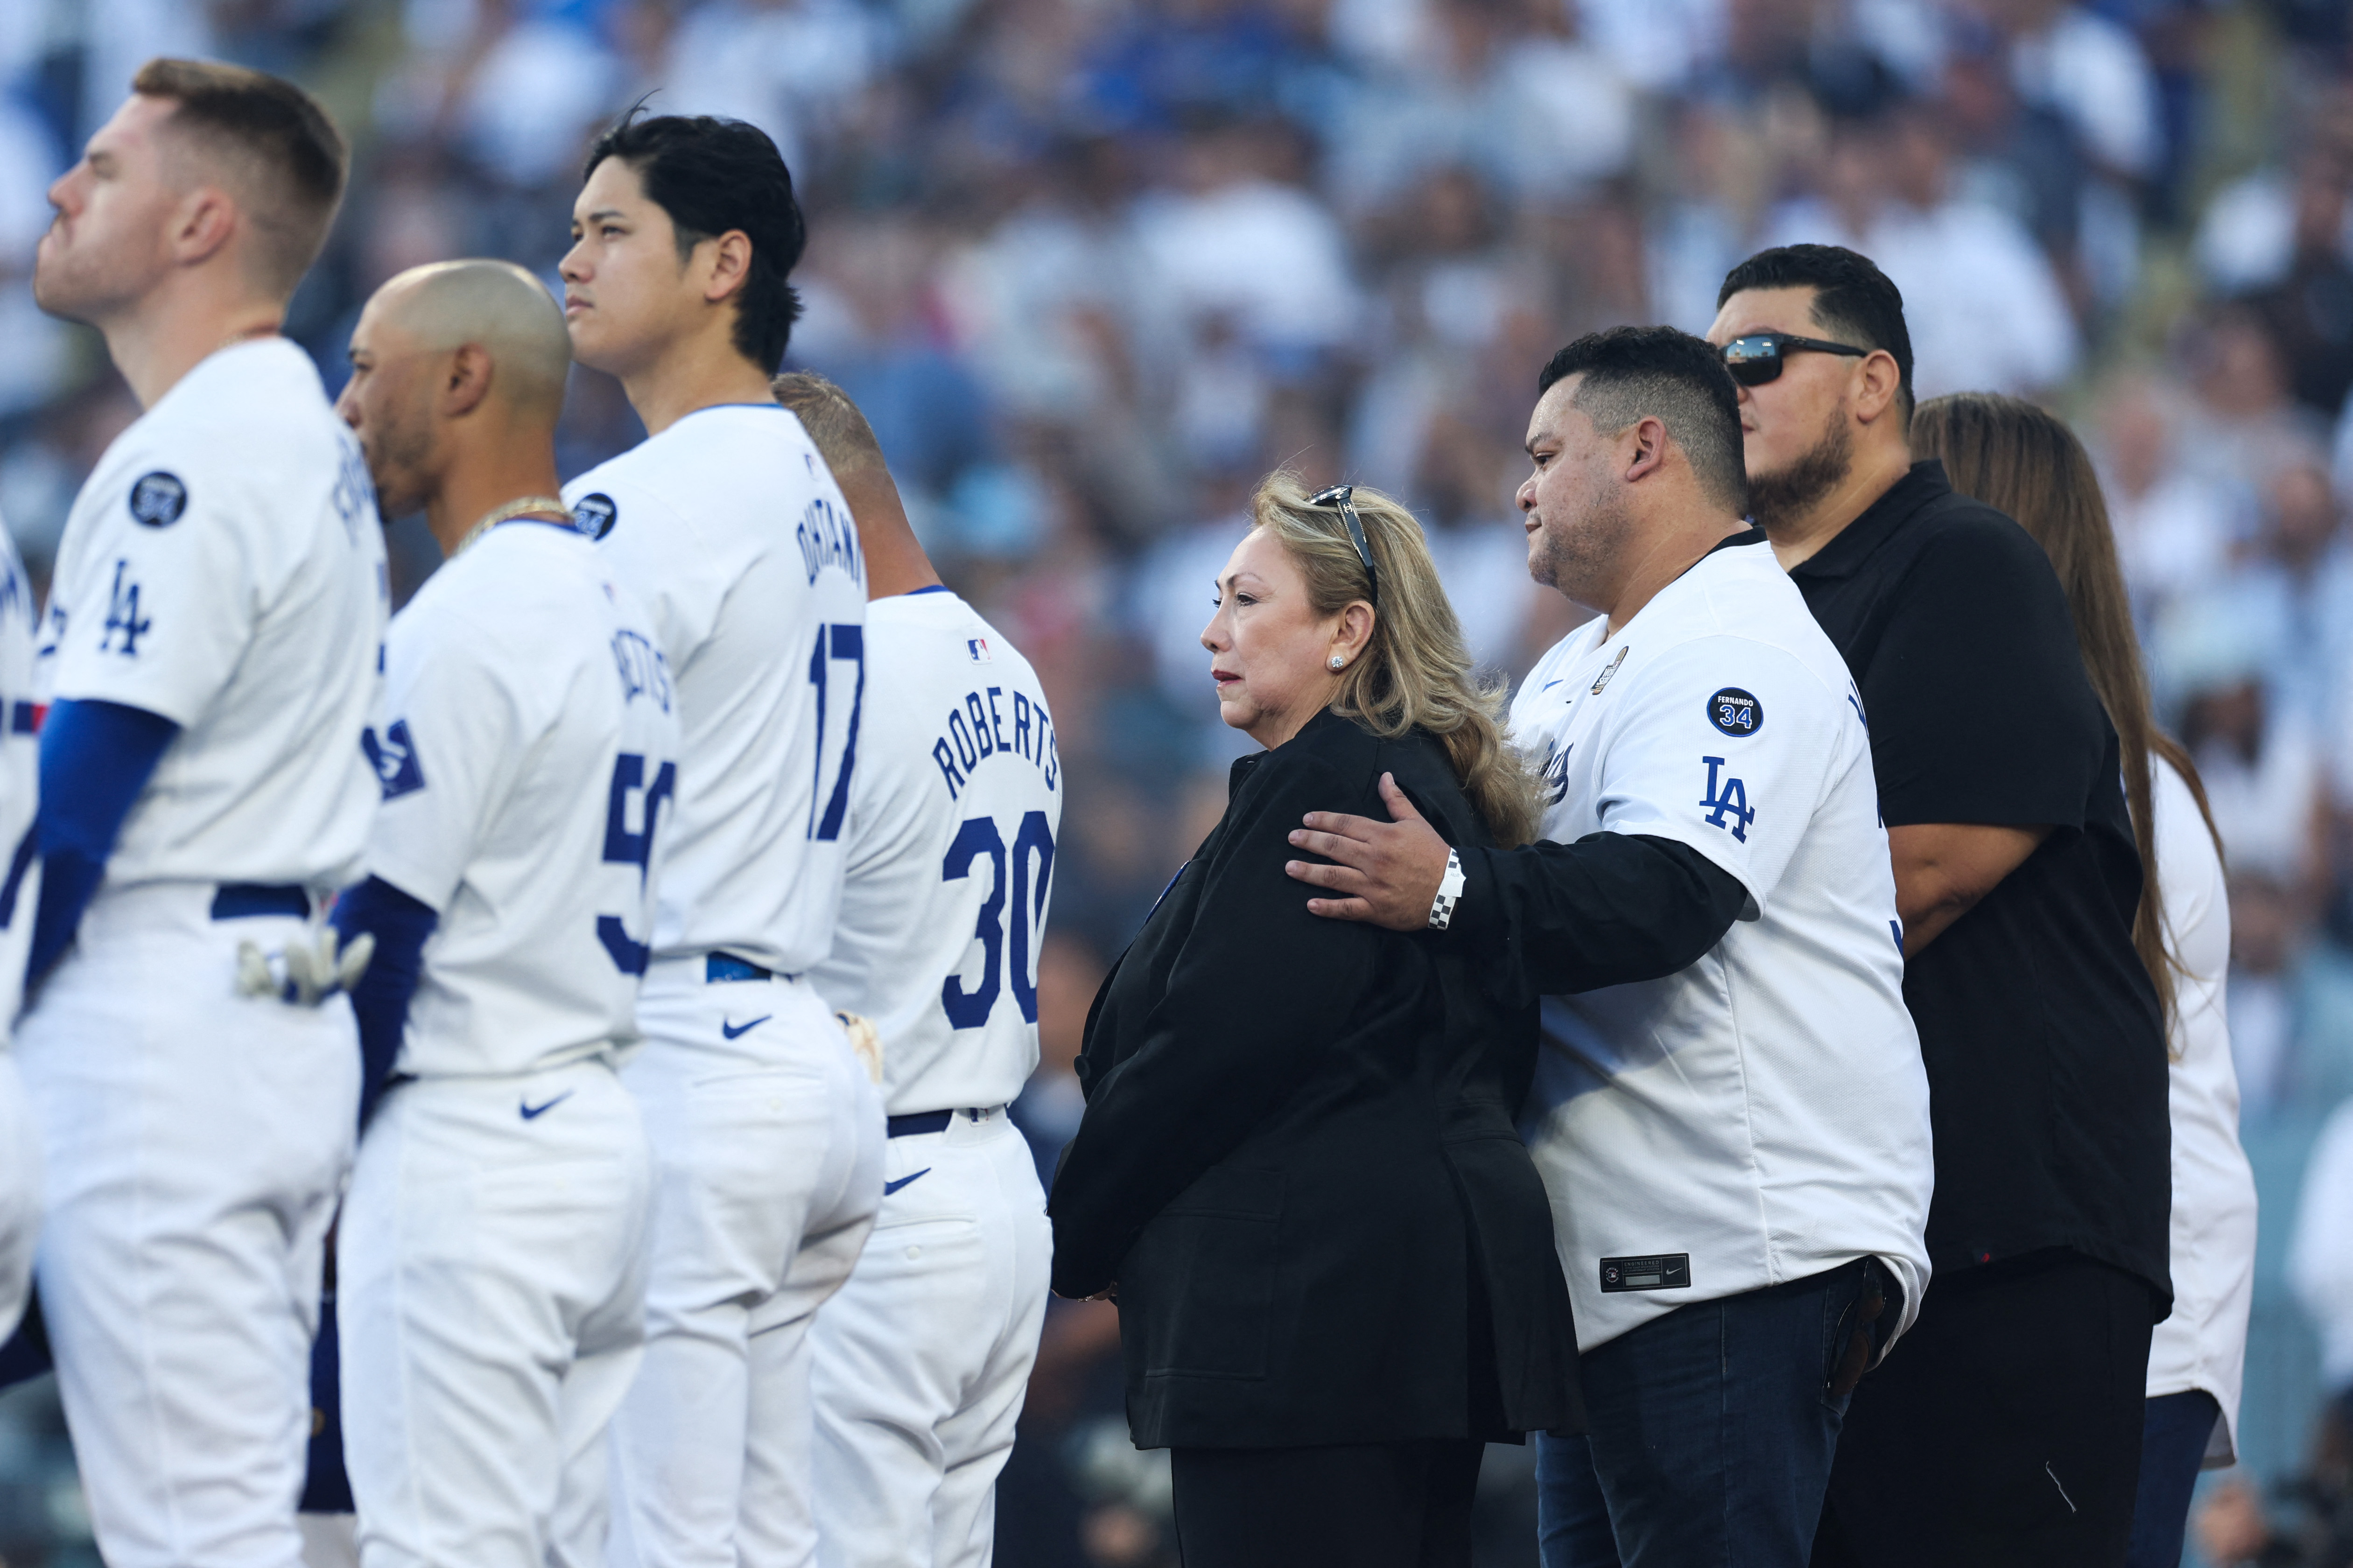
pixel 644 671
pixel 977 730
pixel 827 538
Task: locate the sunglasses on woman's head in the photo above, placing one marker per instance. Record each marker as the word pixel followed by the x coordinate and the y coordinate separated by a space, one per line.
pixel 1340 496
pixel 1757 358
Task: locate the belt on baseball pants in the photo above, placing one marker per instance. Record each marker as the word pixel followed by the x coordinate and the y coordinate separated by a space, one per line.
pixel 917 1121
pixel 243 900
pixel 720 967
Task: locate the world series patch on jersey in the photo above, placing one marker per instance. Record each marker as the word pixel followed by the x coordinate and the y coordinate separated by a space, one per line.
pixel 732 532
pixel 951 833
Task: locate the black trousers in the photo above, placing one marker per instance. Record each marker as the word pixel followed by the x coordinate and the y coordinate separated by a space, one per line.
pixel 1368 1505
pixel 2003 1430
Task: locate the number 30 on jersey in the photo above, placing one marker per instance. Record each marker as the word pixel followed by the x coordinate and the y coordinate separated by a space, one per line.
pixel 968 1007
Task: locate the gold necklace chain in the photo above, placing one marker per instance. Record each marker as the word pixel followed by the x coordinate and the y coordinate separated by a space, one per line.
pixel 512 508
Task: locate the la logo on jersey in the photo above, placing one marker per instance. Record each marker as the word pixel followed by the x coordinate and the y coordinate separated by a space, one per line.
pixel 978 648
pixel 1727 805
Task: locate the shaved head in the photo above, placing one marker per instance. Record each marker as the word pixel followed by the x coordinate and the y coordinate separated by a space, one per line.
pixel 496 306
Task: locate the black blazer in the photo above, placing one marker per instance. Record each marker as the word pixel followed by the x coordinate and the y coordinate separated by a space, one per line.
pixel 1298 1159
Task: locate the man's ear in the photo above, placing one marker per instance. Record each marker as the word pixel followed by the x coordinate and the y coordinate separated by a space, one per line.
pixel 729 265
pixel 466 378
pixel 205 220
pixel 1877 386
pixel 1645 448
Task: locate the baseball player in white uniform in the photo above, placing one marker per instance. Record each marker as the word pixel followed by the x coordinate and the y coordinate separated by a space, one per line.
pixel 210 662
pixel 922 1360
pixel 20 889
pixel 1731 1112
pixel 768 1132
pixel 490 1284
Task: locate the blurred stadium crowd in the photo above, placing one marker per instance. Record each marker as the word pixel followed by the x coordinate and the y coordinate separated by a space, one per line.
pixel 1093 266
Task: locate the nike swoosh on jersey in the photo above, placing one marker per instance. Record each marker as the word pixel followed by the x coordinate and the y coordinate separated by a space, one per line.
pixel 533 1113
pixel 732 1030
pixel 890 1187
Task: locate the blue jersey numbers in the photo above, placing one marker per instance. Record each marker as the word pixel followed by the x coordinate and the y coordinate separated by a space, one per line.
pixel 624 845
pixel 835 645
pixel 1033 868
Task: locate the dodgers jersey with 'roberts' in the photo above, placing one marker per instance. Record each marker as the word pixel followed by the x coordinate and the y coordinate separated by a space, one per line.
pixel 531 750
pixel 1762 1114
pixel 951 834
pixel 20 778
pixel 224 567
pixel 731 531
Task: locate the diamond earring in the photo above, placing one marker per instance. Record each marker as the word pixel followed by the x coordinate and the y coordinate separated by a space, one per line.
pixel 1337 661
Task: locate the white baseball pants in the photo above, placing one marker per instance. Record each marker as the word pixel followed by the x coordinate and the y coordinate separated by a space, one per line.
pixel 922 1360
pixel 20 1194
pixel 490 1295
pixel 767 1138
pixel 193 1142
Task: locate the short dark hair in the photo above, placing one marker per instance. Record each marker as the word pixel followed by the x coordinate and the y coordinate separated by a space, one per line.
pixel 1633 371
pixel 1853 300
pixel 292 158
pixel 712 176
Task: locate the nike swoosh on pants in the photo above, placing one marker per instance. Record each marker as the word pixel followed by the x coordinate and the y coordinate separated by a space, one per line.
pixel 890 1187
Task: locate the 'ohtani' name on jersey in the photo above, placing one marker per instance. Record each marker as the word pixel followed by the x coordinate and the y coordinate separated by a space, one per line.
pixel 989 726
pixel 828 538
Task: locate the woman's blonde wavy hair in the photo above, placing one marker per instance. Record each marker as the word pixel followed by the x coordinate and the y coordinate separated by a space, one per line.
pixel 1416 672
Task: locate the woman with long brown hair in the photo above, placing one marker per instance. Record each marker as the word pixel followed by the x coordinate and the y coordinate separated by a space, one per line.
pixel 2027 462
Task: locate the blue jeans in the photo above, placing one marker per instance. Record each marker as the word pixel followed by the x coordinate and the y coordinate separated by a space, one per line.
pixel 2175 1429
pixel 1709 1435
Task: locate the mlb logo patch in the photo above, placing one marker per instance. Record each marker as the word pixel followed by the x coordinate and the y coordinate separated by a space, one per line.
pixel 394 759
pixel 978 648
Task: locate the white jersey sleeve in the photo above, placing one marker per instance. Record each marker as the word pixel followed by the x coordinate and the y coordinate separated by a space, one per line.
pixel 529 759
pixel 224 567
pixel 1720 744
pixel 952 821
pixel 20 779
pixel 731 530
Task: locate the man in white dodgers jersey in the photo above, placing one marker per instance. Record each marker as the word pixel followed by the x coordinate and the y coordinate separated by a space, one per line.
pixel 1731 1112
pixel 767 1133
pixel 491 1279
pixel 922 1360
pixel 20 887
pixel 210 662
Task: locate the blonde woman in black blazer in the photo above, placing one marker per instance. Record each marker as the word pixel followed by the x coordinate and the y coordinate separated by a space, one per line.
pixel 1298 1172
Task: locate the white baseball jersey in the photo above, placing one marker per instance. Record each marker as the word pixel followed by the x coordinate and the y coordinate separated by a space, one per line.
pixel 951 834
pixel 731 531
pixel 529 752
pixel 1761 1115
pixel 20 777
pixel 224 567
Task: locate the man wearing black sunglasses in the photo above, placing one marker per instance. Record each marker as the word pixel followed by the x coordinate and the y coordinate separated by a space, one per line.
pixel 2007 1427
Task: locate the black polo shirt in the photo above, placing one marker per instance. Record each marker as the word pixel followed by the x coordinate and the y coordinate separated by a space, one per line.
pixel 2041 1030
